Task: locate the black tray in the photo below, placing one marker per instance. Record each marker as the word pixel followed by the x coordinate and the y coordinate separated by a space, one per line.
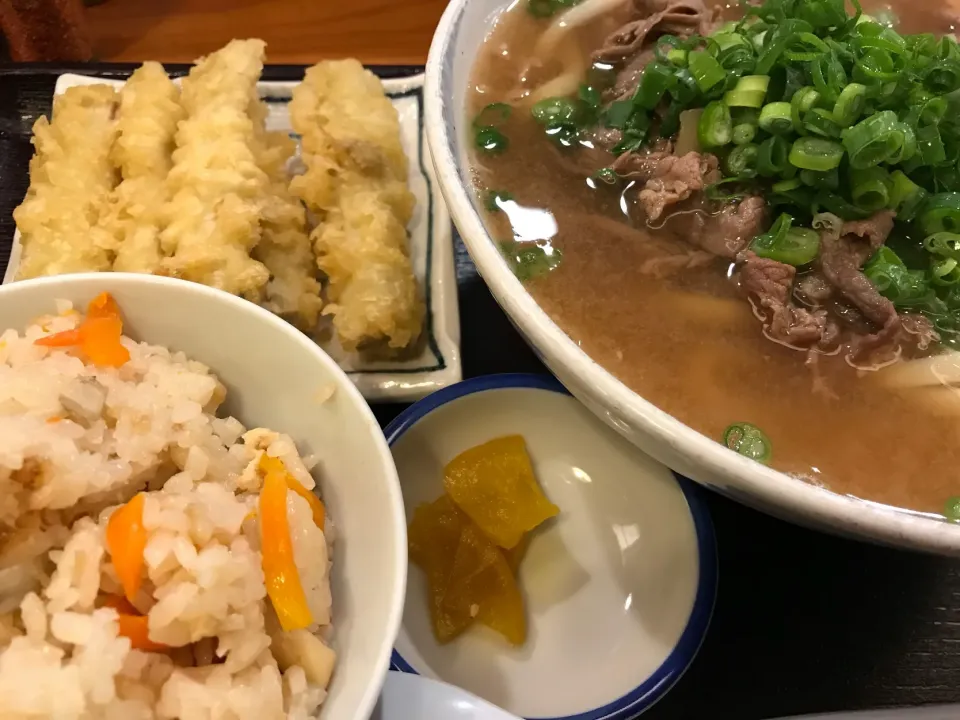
pixel 804 622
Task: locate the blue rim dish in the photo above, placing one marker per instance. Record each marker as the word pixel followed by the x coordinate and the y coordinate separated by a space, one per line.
pixel 665 677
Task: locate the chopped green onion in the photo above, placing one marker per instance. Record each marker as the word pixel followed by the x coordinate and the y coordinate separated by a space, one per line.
pixel 775 118
pixel 945 273
pixel 905 196
pixel 715 128
pixel 749 91
pixel 657 79
pixel 490 140
pixel 705 69
pixel 844 209
pixel 941 213
pixel 742 160
pixel 829 179
pixel 819 121
pixel 886 271
pixel 951 509
pixel 930 145
pixel 747 440
pixel 493 198
pixel 810 153
pixel 849 105
pixel 785 186
pixel 617 115
pixel 804 46
pixel 803 99
pixel 773 157
pixel 870 188
pixel 828 75
pixel 873 139
pixel 744 133
pixel 943 244
pixel 678 57
pixel 606 175
pixel 942 77
pixel 492 115
pixel 909 147
pixel 555 111
pixel 787 244
pixel 529 260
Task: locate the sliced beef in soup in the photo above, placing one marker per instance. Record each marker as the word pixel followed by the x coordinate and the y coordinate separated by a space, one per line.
pixel 630 49
pixel 758 217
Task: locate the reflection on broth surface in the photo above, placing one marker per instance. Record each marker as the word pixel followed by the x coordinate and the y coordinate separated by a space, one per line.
pixel 657 301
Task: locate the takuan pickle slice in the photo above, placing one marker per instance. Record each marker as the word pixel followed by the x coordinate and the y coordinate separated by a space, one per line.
pixel 433 538
pixel 494 484
pixel 482 586
pixel 468 577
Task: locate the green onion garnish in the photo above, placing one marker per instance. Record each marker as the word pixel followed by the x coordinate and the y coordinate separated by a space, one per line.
pixel 493 198
pixel 775 118
pixel 810 153
pixel 873 140
pixel 787 244
pixel 490 140
pixel 749 92
pixel 705 69
pixel 715 129
pixel 748 440
pixel 951 509
pixel 849 106
pixel 871 188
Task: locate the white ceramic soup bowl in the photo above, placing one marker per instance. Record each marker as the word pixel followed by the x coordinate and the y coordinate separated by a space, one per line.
pixel 456 43
pixel 279 379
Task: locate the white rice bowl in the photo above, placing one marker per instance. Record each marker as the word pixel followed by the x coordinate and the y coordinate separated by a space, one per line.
pixel 76 442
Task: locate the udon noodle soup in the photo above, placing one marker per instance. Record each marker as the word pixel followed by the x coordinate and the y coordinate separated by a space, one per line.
pixel 747 214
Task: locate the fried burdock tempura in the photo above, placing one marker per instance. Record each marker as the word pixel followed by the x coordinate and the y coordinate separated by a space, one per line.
pixel 216 186
pixel 356 184
pixel 149 112
pixel 71 177
pixel 293 290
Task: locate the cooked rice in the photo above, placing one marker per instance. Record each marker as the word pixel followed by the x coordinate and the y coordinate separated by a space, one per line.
pixel 76 440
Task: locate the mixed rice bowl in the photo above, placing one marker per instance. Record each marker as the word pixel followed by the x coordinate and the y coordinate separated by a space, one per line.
pixel 156 560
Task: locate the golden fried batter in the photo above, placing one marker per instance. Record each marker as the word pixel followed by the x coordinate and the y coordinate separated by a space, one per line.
pixel 149 112
pixel 284 247
pixel 356 183
pixel 216 186
pixel 71 177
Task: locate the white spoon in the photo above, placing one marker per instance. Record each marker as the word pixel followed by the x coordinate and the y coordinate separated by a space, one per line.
pixel 413 697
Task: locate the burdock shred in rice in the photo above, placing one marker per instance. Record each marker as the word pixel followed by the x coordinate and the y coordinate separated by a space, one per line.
pixel 156 561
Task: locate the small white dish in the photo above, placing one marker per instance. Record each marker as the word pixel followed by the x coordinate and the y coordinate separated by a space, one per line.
pixel 619 588
pixel 277 378
pixel 431 248
pixel 413 697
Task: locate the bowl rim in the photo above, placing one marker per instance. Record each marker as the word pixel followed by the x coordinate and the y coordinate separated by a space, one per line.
pixel 380 665
pixel 659 683
pixel 773 490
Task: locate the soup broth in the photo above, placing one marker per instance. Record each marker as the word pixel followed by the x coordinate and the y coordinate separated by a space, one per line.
pixel 670 321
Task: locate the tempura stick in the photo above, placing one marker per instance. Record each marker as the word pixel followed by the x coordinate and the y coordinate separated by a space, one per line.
pixel 284 246
pixel 216 187
pixel 149 112
pixel 356 183
pixel 71 177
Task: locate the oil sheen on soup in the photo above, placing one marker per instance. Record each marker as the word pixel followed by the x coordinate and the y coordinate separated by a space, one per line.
pixel 676 273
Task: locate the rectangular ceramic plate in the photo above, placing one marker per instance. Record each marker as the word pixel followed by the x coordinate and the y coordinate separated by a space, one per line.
pixel 431 250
